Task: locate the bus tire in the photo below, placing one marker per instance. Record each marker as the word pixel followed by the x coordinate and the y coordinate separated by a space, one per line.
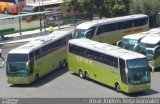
pixel 60 64
pixel 81 75
pixel 86 75
pixel 5 11
pixel 64 63
pixel 117 87
pixel 36 78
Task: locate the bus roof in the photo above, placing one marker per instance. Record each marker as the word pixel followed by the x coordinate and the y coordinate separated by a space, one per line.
pixel 39 42
pixel 155 29
pixel 87 25
pixel 135 36
pixel 140 35
pixel 152 38
pixel 106 48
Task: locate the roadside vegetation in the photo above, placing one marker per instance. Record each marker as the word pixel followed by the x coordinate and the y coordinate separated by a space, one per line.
pixel 113 8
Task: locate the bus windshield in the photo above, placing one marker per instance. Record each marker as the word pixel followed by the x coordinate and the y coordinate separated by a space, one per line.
pixel 16 69
pixel 79 33
pixel 138 71
pixel 17 58
pixel 129 43
pixel 146 48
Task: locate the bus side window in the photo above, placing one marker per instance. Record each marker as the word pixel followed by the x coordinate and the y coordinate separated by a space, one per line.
pixel 140 22
pixel 127 24
pixel 122 67
pixel 91 33
pixel 119 26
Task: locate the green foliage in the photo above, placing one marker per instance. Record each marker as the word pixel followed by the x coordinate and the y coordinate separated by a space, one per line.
pixel 107 8
pixel 149 7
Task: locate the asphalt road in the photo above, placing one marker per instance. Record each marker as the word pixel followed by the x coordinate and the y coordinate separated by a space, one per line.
pixel 62 84
pixel 6 15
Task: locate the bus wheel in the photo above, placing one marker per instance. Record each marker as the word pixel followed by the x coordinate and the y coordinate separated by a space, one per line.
pixel 5 11
pixel 81 75
pixel 117 87
pixel 36 77
pixel 64 63
pixel 86 75
pixel 60 64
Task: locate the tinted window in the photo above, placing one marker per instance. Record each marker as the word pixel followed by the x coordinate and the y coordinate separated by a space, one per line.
pixel 54 46
pixel 106 28
pixel 140 22
pixel 93 55
pixel 17 58
pixel 91 33
pixel 127 24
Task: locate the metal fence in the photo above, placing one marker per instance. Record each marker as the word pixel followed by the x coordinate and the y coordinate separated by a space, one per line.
pixel 39 20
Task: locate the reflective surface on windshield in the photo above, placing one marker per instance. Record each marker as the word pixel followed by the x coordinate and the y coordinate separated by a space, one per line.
pixel 138 71
pixel 129 43
pixel 144 48
pixel 79 33
pixel 16 69
pixel 17 58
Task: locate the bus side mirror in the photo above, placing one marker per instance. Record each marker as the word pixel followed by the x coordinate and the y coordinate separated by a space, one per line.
pixel 136 47
pixel 156 51
pixel 119 43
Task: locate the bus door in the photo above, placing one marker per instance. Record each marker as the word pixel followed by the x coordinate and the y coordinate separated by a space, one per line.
pixel 122 67
pixel 31 62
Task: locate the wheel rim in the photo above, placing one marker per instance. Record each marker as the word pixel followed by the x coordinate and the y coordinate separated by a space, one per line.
pixel 81 74
pixel 5 11
pixel 118 89
pixel 36 78
pixel 64 63
pixel 86 76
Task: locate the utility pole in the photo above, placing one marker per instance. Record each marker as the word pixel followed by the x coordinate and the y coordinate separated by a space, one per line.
pixel 20 28
pixel 40 17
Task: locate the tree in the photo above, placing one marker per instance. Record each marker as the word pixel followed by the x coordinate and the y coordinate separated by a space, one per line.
pixel 107 8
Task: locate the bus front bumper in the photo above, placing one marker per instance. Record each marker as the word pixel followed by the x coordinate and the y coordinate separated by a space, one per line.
pixel 18 80
pixel 138 88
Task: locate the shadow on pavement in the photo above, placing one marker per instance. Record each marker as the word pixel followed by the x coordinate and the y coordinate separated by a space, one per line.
pixel 46 79
pixel 138 94
pixel 144 94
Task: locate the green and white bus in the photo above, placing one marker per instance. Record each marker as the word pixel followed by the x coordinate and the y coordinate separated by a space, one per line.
pixel 147 43
pixel 111 30
pixel 121 69
pixel 29 62
pixel 150 46
pixel 129 41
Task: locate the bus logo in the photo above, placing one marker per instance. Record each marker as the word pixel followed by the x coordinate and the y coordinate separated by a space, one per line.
pixel 84 60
